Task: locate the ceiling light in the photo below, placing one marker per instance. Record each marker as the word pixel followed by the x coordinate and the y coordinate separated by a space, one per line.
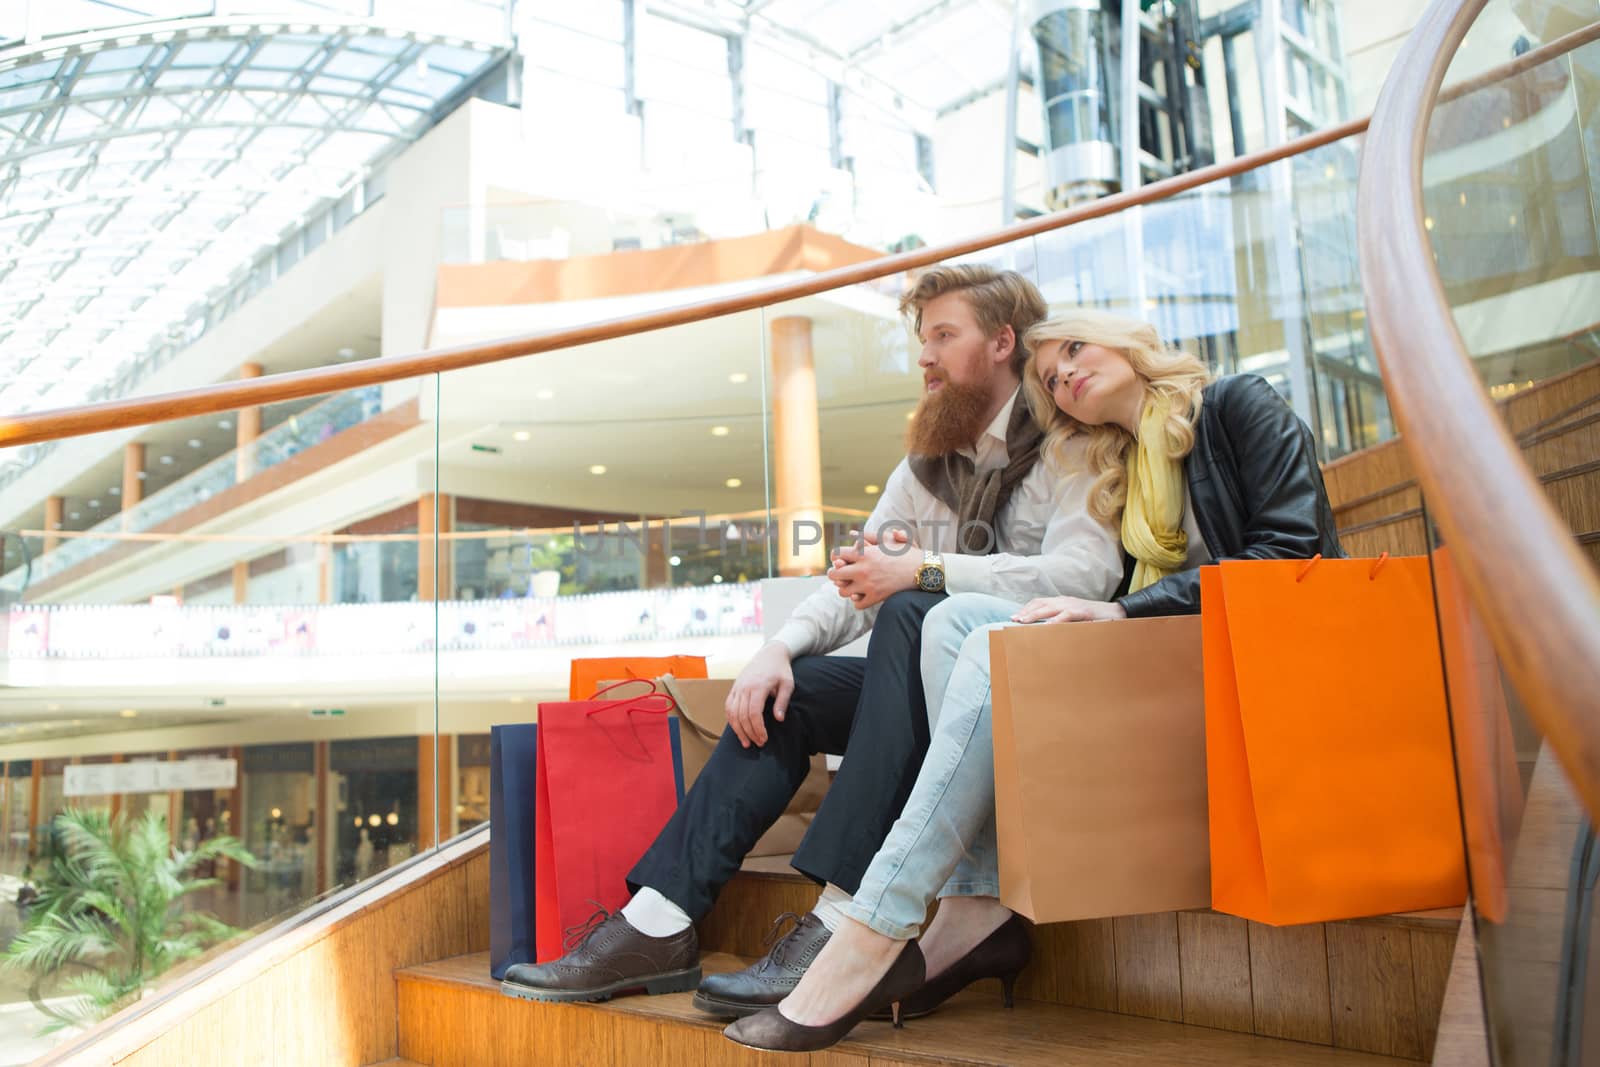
pixel 544 394
pixel 224 424
pixel 738 377
pixel 719 431
pixel 374 819
pixel 128 713
pixel 1513 220
pixel 73 515
pixel 1427 222
pixel 194 442
pixel 717 578
pixel 94 503
pixel 1462 199
pixel 673 561
pixel 277 813
pixel 521 435
pixel 347 353
pixel 872 489
pixel 166 461
pixel 731 483
pixel 598 468
pixel 392 819
pixel 115 491
pixel 356 821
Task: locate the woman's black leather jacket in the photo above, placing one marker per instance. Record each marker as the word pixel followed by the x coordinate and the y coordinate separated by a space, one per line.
pixel 1255 487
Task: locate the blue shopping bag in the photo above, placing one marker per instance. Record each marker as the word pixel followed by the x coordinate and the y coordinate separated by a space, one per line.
pixel 512 761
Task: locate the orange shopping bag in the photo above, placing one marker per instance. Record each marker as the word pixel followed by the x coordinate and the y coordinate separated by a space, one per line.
pixel 1328 762
pixel 589 674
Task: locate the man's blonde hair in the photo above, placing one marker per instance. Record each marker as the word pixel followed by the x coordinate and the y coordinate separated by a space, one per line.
pixel 1163 368
pixel 998 298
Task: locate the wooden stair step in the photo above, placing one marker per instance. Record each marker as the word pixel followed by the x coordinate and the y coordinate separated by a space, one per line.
pixel 1368 985
pixel 452 1014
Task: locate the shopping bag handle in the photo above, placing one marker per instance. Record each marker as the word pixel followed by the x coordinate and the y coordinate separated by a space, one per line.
pixel 625 681
pixel 637 703
pixel 1312 562
pixel 1377 565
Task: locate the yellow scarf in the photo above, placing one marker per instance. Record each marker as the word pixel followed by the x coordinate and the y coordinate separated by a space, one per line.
pixel 1152 519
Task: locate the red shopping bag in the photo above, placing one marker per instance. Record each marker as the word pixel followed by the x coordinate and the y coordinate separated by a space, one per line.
pixel 589 674
pixel 610 775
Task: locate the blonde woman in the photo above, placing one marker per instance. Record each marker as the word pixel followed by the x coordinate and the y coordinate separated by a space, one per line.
pixel 1191 471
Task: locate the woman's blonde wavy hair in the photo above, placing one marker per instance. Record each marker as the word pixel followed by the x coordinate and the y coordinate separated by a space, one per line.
pixel 1165 370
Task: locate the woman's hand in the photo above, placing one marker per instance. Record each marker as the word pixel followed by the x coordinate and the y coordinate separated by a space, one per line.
pixel 1068 609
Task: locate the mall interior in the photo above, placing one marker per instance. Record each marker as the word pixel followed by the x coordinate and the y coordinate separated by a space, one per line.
pixel 322 604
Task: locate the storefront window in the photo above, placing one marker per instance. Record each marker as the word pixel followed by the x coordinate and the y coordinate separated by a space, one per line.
pixel 374 782
pixel 472 791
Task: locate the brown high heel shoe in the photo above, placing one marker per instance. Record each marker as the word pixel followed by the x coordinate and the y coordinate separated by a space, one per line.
pixel 1003 955
pixel 773 1031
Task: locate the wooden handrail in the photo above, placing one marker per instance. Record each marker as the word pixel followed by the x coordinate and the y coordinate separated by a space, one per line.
pixel 1535 588
pixel 270 389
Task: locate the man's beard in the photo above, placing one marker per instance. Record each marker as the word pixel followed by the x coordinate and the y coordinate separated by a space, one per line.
pixel 948 420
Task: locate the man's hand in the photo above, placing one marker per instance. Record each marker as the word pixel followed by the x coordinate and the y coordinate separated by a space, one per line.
pixel 767 674
pixel 1068 609
pixel 872 571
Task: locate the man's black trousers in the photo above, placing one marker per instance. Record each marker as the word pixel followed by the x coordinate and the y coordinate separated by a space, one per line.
pixel 869 710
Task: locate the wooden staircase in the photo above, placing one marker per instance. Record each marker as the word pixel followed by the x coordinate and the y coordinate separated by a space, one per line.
pixel 1175 988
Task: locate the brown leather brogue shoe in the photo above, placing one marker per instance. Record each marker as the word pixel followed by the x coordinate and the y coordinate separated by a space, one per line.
pixel 771 978
pixel 611 958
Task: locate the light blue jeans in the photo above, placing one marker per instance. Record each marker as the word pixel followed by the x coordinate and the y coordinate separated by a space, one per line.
pixel 943 844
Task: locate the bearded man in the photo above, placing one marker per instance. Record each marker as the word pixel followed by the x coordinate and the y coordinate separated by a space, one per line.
pixel 971 509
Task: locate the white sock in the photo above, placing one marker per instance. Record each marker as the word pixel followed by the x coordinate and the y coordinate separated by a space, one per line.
pixel 827 908
pixel 653 915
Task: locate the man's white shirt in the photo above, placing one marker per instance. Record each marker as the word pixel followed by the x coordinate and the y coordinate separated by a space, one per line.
pixel 1046 542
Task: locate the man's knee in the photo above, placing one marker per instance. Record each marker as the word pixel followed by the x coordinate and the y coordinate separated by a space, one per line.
pixel 906 609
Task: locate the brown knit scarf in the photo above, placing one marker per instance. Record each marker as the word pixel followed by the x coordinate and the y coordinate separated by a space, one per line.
pixel 977 496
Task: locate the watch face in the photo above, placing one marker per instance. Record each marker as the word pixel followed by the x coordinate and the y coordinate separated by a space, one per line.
pixel 928 580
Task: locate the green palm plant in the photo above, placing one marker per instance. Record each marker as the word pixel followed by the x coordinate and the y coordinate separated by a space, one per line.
pixel 110 907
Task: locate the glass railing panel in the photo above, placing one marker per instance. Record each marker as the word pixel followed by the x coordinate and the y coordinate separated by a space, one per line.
pixel 1511 193
pixel 604 500
pixel 844 380
pixel 1510 209
pixel 1255 273
pixel 194 666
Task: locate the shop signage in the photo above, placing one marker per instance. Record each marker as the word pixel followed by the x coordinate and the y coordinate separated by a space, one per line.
pixel 150 776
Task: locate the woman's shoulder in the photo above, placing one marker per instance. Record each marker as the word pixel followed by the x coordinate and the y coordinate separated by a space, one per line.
pixel 1246 388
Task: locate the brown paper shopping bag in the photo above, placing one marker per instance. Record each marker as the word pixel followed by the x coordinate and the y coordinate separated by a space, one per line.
pixel 701 703
pixel 1100 768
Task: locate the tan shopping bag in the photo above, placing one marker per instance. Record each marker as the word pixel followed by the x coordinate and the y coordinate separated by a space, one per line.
pixel 701 713
pixel 1100 768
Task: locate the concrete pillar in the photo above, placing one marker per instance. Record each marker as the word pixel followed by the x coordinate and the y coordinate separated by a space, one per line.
pixel 53 507
pixel 324 572
pixel 247 429
pixel 796 448
pixel 435 515
pixel 132 484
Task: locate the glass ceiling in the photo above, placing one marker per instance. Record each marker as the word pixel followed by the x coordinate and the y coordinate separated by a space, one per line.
pixel 149 150
pixel 932 53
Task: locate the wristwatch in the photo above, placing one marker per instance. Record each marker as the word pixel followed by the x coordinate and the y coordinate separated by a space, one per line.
pixel 930 576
